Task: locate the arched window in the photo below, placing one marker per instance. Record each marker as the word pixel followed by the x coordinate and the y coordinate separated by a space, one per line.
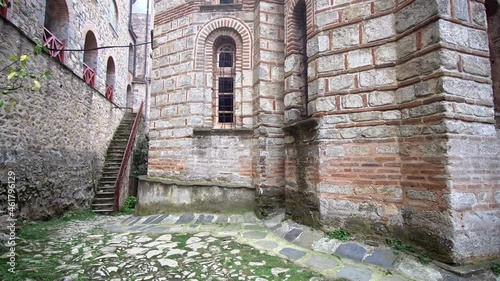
pixel 131 60
pixel 296 53
pixel 130 97
pixel 226 55
pixel 90 58
pixel 493 16
pixel 110 78
pixel 56 27
pixel 113 14
pixel 224 74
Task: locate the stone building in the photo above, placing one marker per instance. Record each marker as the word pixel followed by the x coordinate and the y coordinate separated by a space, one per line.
pixel 376 116
pixel 55 139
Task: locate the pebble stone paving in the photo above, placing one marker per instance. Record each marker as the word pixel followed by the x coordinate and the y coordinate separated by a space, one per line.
pixel 196 247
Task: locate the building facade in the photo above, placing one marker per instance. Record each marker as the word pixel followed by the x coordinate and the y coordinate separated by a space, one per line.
pixel 374 116
pixel 55 139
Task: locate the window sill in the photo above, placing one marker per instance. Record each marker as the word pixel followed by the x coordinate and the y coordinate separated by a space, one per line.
pixel 222 132
pixel 220 7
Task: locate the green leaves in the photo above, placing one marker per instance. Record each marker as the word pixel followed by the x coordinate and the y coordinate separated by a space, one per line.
pixel 19 74
pixel 12 74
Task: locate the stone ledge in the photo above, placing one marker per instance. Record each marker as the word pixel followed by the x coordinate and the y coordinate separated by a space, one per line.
pixel 192 183
pixel 222 132
pixel 220 7
pixel 308 124
pixel 157 195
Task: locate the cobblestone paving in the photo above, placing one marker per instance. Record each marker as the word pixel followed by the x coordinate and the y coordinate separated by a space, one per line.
pixel 89 252
pixel 208 247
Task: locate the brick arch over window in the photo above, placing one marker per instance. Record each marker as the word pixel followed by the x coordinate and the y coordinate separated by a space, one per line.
pixel 292 9
pixel 240 32
pixel 211 42
pixel 296 83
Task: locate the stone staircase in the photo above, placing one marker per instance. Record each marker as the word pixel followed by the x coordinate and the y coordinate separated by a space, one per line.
pixel 103 201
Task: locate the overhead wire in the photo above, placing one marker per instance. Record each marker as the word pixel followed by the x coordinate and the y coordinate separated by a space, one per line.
pixel 98 48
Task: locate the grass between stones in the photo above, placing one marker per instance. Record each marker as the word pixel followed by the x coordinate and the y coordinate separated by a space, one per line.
pixel 32 262
pixel 69 245
pixel 495 267
pixel 339 234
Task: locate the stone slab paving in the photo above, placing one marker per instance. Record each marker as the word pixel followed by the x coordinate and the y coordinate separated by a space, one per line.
pixel 221 247
pixel 310 248
pixel 277 239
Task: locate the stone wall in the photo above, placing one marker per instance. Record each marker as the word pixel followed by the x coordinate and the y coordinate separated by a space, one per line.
pixel 402 91
pixel 79 17
pixel 268 106
pixel 55 139
pixel 373 116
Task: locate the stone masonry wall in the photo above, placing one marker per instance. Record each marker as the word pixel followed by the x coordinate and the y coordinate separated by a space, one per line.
pixel 182 99
pixel 54 139
pixel 268 105
pixel 381 122
pixel 84 16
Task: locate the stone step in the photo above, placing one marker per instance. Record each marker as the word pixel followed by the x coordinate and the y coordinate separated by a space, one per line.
pixel 103 211
pixel 115 153
pixel 103 200
pixel 117 148
pixel 107 179
pixel 101 205
pixel 114 162
pixel 106 194
pixel 107 182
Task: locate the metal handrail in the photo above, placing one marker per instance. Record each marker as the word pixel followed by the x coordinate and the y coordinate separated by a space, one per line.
pixel 89 74
pixel 109 92
pixel 123 166
pixel 56 46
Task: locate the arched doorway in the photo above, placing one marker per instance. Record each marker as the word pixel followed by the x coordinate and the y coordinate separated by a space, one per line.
pixel 90 59
pixel 55 33
pixel 110 79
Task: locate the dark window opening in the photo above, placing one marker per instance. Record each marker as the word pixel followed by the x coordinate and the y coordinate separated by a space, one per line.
pixel 225 59
pixel 226 117
pixel 226 1
pixel 226 85
pixel 226 102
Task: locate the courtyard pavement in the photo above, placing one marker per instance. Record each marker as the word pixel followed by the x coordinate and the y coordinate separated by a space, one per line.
pixel 221 247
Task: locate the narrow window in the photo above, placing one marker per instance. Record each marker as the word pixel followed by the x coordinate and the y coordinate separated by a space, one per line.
pixel 226 1
pixel 226 99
